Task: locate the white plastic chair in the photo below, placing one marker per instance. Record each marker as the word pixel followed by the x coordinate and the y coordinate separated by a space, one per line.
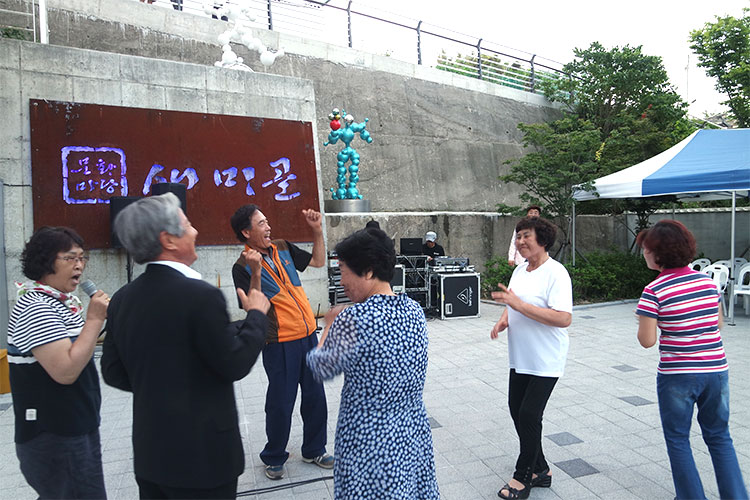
pixel 728 264
pixel 738 263
pixel 699 264
pixel 743 286
pixel 720 275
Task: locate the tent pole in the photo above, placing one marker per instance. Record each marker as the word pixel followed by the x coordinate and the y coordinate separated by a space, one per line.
pixel 732 277
pixel 573 237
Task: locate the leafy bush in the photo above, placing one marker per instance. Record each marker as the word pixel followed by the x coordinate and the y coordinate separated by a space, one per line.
pixel 609 276
pixel 496 271
pixel 14 33
pixel 601 277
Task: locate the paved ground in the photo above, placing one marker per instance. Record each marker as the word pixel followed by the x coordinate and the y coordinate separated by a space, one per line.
pixel 601 431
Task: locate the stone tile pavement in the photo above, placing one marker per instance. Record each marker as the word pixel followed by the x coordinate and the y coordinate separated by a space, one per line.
pixel 601 430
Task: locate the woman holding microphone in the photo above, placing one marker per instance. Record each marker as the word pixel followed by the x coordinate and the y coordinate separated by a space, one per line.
pixel 56 395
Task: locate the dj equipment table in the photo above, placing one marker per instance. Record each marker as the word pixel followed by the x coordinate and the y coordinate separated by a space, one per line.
pixel 450 288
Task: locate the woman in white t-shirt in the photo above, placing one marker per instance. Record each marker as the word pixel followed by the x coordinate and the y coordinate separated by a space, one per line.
pixel 539 302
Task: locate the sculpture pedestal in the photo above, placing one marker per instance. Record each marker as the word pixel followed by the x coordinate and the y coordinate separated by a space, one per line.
pixel 338 206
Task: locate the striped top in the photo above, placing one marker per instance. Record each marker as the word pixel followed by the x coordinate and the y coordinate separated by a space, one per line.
pixel 685 304
pixel 39 319
pixel 39 403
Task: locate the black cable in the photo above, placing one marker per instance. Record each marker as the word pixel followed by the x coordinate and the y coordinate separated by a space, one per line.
pixel 260 491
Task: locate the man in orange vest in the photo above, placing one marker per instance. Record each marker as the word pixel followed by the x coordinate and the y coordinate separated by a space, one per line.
pixel 291 334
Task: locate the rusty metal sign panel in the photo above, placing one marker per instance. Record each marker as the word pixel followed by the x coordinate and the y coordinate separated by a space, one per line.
pixel 84 154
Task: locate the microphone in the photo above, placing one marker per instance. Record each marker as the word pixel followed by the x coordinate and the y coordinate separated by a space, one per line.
pixel 89 288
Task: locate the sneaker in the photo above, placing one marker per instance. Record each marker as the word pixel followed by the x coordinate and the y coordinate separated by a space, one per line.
pixel 325 461
pixel 274 472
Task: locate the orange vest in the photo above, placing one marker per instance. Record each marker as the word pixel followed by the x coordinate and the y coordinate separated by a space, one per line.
pixel 291 316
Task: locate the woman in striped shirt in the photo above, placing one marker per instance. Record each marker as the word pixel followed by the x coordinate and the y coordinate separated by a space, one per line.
pixel 693 369
pixel 56 396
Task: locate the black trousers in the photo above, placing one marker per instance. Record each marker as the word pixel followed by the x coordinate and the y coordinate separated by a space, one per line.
pixel 286 367
pixel 147 489
pixel 63 466
pixel 527 398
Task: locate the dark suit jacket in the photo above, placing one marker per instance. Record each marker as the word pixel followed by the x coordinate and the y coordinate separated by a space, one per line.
pixel 171 344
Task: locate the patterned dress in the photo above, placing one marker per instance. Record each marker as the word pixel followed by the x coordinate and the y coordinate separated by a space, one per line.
pixel 383 438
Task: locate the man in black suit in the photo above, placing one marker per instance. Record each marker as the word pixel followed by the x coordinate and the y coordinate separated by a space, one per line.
pixel 171 344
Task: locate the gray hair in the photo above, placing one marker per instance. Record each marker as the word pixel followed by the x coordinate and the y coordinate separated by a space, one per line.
pixel 139 225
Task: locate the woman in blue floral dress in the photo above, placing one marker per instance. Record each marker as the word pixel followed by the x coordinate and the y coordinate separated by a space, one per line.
pixel 383 439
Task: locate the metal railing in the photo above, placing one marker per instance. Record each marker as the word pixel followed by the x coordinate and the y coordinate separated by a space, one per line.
pixel 24 30
pixel 409 40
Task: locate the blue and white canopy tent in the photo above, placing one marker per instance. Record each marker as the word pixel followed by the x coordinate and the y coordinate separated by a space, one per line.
pixel 707 165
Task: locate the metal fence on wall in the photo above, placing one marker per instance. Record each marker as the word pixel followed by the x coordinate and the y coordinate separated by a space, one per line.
pixel 409 40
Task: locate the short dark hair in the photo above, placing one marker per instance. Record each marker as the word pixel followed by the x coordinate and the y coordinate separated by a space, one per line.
pixel 672 244
pixel 534 207
pixel 369 249
pixel 544 229
pixel 241 220
pixel 373 223
pixel 39 254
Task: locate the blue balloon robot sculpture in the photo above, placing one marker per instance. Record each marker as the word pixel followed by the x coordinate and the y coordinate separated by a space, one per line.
pixel 347 191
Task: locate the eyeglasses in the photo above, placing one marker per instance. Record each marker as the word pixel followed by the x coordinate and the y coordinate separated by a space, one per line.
pixel 83 259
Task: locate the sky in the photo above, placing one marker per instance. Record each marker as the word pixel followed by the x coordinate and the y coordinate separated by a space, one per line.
pixel 552 29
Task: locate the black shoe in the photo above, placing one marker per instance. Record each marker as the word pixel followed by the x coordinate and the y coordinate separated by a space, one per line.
pixel 542 480
pixel 514 494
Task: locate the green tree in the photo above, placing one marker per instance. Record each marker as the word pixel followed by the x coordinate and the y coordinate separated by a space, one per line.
pixel 607 85
pixel 723 49
pixel 562 155
pixel 623 111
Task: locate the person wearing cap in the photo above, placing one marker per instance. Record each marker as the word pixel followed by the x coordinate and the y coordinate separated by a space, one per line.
pixel 430 248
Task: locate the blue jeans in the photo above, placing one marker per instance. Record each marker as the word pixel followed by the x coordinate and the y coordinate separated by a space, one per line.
pixel 678 393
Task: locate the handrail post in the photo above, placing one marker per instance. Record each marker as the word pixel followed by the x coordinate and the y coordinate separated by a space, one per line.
pixel 533 81
pixel 349 21
pixel 573 235
pixel 479 57
pixel 419 43
pixel 270 17
pixel 33 19
pixel 43 28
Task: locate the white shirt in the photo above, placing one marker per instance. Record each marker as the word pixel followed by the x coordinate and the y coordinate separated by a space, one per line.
pixel 179 266
pixel 513 253
pixel 535 348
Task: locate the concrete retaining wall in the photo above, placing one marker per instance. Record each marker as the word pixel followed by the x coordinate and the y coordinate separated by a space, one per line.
pixel 440 139
pixel 712 230
pixel 33 71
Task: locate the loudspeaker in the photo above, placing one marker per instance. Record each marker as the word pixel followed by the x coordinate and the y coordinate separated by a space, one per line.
pixel 458 295
pixel 116 205
pixel 398 283
pixel 180 190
